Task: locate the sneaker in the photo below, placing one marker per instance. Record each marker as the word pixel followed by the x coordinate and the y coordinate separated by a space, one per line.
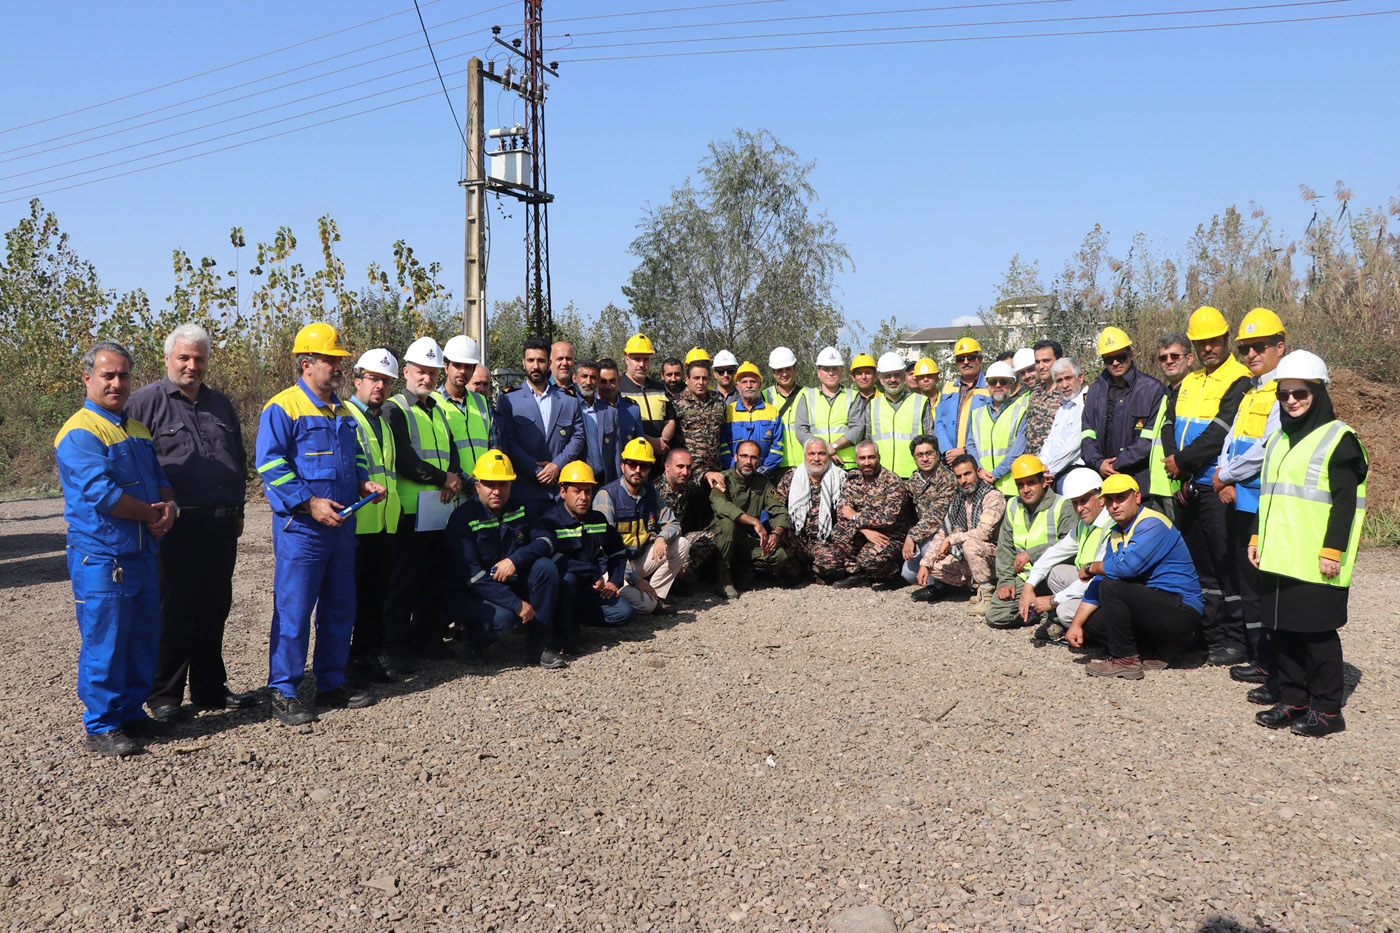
pixel 290 710
pixel 1280 715
pixel 1262 696
pixel 551 661
pixel 113 743
pixel 1130 668
pixel 1319 724
pixel 1224 655
pixel 1249 674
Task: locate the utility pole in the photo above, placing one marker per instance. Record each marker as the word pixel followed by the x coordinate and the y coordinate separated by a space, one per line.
pixel 474 308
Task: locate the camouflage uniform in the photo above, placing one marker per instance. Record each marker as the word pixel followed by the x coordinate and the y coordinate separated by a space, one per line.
pixel 1040 415
pixel 691 505
pixel 806 547
pixel 881 504
pixel 700 424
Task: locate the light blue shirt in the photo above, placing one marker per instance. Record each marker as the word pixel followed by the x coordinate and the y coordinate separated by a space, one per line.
pixel 545 400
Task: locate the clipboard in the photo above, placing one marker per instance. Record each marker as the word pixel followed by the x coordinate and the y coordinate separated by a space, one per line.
pixel 433 513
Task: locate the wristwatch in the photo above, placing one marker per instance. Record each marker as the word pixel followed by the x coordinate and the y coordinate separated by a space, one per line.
pixel 177 507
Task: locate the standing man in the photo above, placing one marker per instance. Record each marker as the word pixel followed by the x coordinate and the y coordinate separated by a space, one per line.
pixel 725 366
pixel 312 469
pixel 895 417
pixel 869 535
pixel 784 395
pixel 540 427
pixel 601 425
pixel 1035 519
pixel 751 418
pixel 656 549
pixel 867 386
pixel 468 412
pixel 118 504
pixel 998 434
pixel 1060 451
pixel 376 523
pixel 824 411
pixel 199 443
pixel 1176 360
pixel 751 520
pixel 926 380
pixel 701 418
pixel 964 550
pixel 954 411
pixel 480 383
pixel 1118 411
pixel 1045 399
pixel 673 376
pixel 930 489
pixel 629 415
pixel 658 415
pixel 1023 364
pixel 561 365
pixel 1192 435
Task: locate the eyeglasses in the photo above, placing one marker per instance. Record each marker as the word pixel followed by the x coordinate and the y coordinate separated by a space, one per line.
pixel 998 382
pixel 925 453
pixel 1169 357
pixel 1257 347
pixel 1301 395
pixel 1117 358
pixel 968 358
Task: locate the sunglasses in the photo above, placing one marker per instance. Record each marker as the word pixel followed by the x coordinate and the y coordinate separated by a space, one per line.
pixel 730 370
pixel 1169 357
pixel 1257 347
pixel 968 358
pixel 1301 395
pixel 1117 358
pixel 998 382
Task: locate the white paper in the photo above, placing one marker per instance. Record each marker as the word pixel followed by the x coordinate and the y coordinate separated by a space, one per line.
pixel 433 513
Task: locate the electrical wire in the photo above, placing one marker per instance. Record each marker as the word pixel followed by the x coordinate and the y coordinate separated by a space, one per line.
pixel 674 9
pixel 426 38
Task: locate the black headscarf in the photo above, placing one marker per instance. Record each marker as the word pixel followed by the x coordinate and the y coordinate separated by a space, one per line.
pixel 1319 413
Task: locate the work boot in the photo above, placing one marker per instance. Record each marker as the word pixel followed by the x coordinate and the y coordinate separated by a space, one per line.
pixel 551 661
pixel 851 582
pixel 165 710
pixel 290 710
pixel 1224 655
pixel 400 661
pixel 724 583
pixel 933 592
pixel 981 601
pixel 1280 715
pixel 1249 674
pixel 1319 724
pixel 341 698
pixel 1262 695
pixel 372 669
pixel 1051 631
pixel 1129 668
pixel 113 743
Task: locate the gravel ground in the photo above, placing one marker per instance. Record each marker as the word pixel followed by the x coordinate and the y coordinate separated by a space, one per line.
pixel 772 763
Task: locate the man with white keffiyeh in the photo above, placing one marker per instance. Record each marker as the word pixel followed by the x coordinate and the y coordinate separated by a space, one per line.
pixel 964 550
pixel 812 494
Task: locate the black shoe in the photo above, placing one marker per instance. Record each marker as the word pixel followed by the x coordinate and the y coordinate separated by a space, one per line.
pixel 895 582
pixel 851 581
pixel 1319 724
pixel 1280 715
pixel 1262 695
pixel 400 662
pixel 341 698
pixel 114 743
pixel 290 710
pixel 1222 655
pixel 373 670
pixel 230 700
pixel 551 661
pixel 147 728
pixel 929 594
pixel 1249 674
pixel 165 710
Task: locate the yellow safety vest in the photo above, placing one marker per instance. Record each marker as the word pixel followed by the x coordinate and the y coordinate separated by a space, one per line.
pixel 1034 529
pixel 1251 421
pixel 792 451
pixel 993 438
pixel 893 428
pixel 1198 404
pixel 1089 538
pixel 1158 482
pixel 379 460
pixel 470 426
pixel 954 387
pixel 1295 502
pixel 830 416
pixel 431 440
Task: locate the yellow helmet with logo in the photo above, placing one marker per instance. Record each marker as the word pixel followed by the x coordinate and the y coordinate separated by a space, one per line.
pixel 966 345
pixel 638 450
pixel 861 361
pixel 747 369
pixel 494 467
pixel 1261 322
pixel 578 472
pixel 638 343
pixel 319 337
pixel 1027 465
pixel 1207 323
pixel 696 355
pixel 925 367
pixel 1112 339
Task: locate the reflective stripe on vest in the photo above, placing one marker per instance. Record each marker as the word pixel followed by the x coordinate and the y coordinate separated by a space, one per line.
pixel 792 451
pixel 1089 537
pixel 1158 482
pixel 893 428
pixel 830 416
pixel 1198 406
pixel 1040 529
pixel 431 440
pixel 1251 421
pixel 379 460
pixel 470 428
pixel 994 437
pixel 1295 502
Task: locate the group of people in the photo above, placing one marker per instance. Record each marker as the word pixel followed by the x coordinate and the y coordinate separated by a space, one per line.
pixel 1222 507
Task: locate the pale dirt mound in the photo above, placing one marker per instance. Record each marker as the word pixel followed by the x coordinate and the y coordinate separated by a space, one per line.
pixel 1369 407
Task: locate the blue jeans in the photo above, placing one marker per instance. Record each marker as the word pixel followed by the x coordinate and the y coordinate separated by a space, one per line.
pixel 580 603
pixel 119 620
pixel 488 621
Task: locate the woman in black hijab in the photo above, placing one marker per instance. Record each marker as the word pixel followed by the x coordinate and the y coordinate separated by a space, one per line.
pixel 1313 501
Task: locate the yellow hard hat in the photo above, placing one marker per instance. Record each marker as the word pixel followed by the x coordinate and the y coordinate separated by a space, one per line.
pixel 1111 340
pixel 319 337
pixel 925 367
pixel 638 450
pixel 966 345
pixel 638 343
pixel 578 472
pixel 696 355
pixel 493 467
pixel 747 369
pixel 1207 323
pixel 1261 322
pixel 861 361
pixel 1118 482
pixel 1027 465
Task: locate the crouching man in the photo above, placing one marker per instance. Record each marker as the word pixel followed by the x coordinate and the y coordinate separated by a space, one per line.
pixel 1067 581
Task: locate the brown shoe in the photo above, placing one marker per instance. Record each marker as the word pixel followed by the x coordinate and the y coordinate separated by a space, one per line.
pixel 1129 667
pixel 1154 665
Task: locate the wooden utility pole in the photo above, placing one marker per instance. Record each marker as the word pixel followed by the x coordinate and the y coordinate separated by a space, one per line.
pixel 474 302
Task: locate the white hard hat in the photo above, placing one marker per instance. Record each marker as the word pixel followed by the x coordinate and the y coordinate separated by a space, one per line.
pixel 724 358
pixel 889 363
pixel 1079 481
pixel 1024 357
pixel 830 356
pixel 780 357
pixel 462 349
pixel 1001 370
pixel 1300 364
pixel 425 352
pixel 379 360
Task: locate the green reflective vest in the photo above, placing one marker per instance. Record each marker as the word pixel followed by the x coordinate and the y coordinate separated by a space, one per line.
pixel 993 437
pixel 1029 529
pixel 470 425
pixel 792 450
pixel 1294 503
pixel 893 428
pixel 1089 538
pixel 1158 482
pixel 829 416
pixel 379 460
pixel 431 440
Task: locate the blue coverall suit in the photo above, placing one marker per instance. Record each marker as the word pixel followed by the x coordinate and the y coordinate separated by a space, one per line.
pixel 111 562
pixel 586 550
pixel 307 448
pixel 476 541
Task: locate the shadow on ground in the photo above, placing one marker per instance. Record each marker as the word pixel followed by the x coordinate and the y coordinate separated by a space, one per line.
pixel 1223 924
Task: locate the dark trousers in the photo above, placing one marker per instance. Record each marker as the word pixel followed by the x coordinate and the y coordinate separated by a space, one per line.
pixel 1203 525
pixel 1258 639
pixel 1134 619
pixel 1310 669
pixel 374 558
pixel 486 621
pixel 196 592
pixel 411 614
pixel 578 603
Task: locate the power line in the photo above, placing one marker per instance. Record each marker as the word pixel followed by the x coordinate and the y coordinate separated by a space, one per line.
pixel 436 67
pixel 674 9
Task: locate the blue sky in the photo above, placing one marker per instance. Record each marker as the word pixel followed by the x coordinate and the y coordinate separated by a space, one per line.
pixel 935 161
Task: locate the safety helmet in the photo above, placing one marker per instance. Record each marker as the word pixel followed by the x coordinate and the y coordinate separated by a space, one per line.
pixel 1001 370
pixel 1300 364
pixel 781 357
pixel 696 355
pixel 724 358
pixel 638 450
pixel 747 369
pixel 861 361
pixel 378 360
pixel 462 349
pixel 493 467
pixel 966 345
pixel 925 367
pixel 1024 358
pixel 424 352
pixel 1112 339
pixel 319 337
pixel 830 356
pixel 1261 322
pixel 1079 481
pixel 578 472
pixel 1206 323
pixel 638 344
pixel 889 363
pixel 1027 465
pixel 1118 482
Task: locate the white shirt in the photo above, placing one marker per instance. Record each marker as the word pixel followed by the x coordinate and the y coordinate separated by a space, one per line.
pixel 1061 447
